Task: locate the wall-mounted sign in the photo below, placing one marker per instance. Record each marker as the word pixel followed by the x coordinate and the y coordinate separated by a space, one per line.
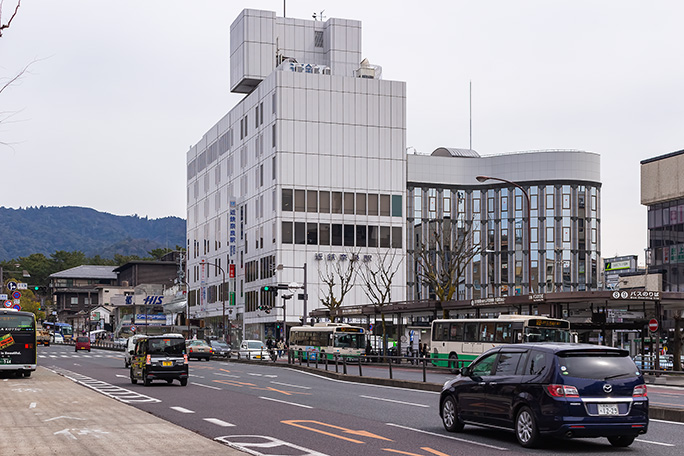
pixel 636 294
pixel 616 265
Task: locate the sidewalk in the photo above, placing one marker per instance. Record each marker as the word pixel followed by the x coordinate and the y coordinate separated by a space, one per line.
pixel 665 380
pixel 47 414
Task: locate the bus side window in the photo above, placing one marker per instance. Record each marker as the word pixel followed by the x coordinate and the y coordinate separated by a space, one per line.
pixel 487 332
pixel 503 333
pixel 470 332
pixel 456 332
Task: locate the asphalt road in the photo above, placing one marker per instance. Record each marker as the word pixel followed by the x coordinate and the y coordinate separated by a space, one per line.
pixel 270 409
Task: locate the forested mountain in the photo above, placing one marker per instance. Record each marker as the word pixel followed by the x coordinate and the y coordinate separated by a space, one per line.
pixel 49 229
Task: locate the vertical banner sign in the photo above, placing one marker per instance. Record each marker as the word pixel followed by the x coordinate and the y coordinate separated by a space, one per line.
pixel 203 284
pixel 232 223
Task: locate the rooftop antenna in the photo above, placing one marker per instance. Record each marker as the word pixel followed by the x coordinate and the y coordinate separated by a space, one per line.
pixel 319 17
pixel 284 15
pixel 471 114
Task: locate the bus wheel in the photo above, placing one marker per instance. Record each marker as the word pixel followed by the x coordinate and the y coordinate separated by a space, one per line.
pixel 27 373
pixel 453 363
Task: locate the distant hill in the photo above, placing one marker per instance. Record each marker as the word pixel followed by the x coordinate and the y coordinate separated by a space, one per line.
pixel 49 229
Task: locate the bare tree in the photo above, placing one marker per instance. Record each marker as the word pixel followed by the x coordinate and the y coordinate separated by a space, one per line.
pixel 7 25
pixel 377 283
pixel 442 261
pixel 338 278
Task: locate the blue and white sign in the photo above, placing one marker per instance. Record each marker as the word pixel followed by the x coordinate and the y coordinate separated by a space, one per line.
pixel 16 295
pixel 11 286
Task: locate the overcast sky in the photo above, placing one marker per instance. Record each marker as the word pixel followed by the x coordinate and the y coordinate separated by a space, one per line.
pixel 118 91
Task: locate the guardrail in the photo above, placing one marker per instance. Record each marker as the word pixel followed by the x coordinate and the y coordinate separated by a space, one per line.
pixel 347 363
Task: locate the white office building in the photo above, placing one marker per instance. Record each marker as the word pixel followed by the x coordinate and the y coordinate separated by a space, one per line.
pixel 308 169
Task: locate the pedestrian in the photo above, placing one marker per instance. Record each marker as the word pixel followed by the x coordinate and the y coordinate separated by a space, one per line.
pixel 281 347
pixel 269 343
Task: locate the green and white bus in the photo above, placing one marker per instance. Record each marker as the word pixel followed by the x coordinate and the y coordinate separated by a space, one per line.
pixel 456 342
pixel 327 339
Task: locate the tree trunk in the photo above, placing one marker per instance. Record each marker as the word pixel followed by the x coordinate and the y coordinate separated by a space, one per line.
pixel 384 337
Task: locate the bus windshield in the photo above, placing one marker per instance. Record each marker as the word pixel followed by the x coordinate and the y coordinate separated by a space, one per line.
pixel 16 323
pixel 347 340
pixel 534 334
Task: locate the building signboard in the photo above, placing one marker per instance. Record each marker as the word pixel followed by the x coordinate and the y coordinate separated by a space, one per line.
pixel 615 265
pixel 636 294
pixel 487 301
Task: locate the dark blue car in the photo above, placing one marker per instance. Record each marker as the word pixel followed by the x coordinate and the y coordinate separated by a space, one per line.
pixel 560 390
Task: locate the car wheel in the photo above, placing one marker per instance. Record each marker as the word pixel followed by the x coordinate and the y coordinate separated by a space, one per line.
pixel 526 428
pixel 133 379
pixel 450 416
pixel 621 441
pixel 184 381
pixel 146 380
pixel 453 363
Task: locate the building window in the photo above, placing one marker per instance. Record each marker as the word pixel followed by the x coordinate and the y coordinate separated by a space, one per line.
pixel 300 233
pixel 312 201
pixel 360 204
pixel 372 236
pixel 396 205
pixel 384 205
pixel 349 235
pixel 336 234
pixel 385 236
pixel 300 200
pixel 324 234
pixel 312 233
pixel 324 202
pixel 318 38
pixel 373 204
pixel 287 233
pixel 361 236
pixel 336 202
pixel 349 203
pixel 287 199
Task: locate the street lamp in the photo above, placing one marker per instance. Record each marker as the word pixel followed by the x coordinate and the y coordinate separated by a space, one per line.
pixel 529 224
pixel 280 267
pixel 23 272
pixel 223 297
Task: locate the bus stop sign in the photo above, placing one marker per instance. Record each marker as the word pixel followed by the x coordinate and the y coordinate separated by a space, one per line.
pixel 653 325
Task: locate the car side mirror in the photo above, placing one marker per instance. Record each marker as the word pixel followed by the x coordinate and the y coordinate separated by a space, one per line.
pixel 465 371
pixel 130 352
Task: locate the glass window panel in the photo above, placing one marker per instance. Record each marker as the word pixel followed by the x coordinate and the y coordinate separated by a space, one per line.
pixel 336 234
pixel 300 200
pixel 312 233
pixel 336 202
pixel 385 205
pixel 396 237
pixel 361 235
pixel 349 203
pixel 349 235
pixel 360 204
pixel 324 234
pixel 396 205
pixel 287 199
pixel 300 233
pixel 312 201
pixel 372 236
pixel 324 202
pixel 385 236
pixel 372 204
pixel 287 232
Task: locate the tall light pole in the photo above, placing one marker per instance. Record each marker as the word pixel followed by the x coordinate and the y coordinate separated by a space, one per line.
pixel 223 296
pixel 529 224
pixel 280 267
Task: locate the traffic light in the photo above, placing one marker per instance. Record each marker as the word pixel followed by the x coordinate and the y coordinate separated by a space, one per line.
pixel 270 289
pixel 36 288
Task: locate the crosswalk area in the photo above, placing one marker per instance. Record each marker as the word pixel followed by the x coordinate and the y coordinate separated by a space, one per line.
pixel 73 354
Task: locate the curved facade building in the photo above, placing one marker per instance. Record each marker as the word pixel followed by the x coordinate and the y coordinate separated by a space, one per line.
pixel 564 190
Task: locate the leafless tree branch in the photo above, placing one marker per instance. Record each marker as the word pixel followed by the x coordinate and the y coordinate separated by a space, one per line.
pixel 4 26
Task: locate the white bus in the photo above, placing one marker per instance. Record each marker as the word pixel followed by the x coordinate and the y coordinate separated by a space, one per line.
pixel 456 342
pixel 327 339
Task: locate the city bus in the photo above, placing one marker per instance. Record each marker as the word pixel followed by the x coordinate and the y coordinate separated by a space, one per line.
pixel 65 329
pixel 456 342
pixel 18 342
pixel 327 339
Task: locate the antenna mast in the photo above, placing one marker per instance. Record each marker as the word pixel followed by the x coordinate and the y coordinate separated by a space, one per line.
pixel 471 115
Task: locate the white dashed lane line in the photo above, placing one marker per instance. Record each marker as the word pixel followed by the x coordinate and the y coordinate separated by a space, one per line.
pixel 218 422
pixel 182 410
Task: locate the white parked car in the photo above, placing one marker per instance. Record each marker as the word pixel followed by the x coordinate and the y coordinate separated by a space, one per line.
pixel 57 339
pixel 253 349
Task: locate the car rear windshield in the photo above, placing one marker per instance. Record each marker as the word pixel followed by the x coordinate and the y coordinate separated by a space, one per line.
pixel 82 339
pixel 170 346
pixel 597 366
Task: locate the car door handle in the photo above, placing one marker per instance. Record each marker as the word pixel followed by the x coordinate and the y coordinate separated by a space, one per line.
pixel 493 383
pixel 482 383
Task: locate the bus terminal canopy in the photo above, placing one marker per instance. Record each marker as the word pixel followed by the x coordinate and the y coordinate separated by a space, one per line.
pixel 603 299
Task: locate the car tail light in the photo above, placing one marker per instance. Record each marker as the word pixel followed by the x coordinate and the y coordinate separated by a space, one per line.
pixel 640 391
pixel 185 359
pixel 562 391
pixel 148 361
pixel 190 349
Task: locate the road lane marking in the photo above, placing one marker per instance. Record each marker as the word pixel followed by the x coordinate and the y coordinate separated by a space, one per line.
pixel 396 402
pixel 360 433
pixel 226 375
pixel 654 443
pixel 448 437
pixel 292 386
pixel 218 422
pixel 181 409
pixel 206 386
pixel 285 402
pixel 665 421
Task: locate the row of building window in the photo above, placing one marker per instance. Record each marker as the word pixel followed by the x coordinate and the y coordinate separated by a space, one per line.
pixel 305 233
pixel 327 202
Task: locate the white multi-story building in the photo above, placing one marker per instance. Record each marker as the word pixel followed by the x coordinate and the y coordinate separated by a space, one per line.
pixel 308 169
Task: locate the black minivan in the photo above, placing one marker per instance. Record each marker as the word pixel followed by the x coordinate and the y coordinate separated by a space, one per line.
pixel 554 389
pixel 159 358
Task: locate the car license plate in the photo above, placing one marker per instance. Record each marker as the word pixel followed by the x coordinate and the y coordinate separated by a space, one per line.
pixel 167 363
pixel 607 409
